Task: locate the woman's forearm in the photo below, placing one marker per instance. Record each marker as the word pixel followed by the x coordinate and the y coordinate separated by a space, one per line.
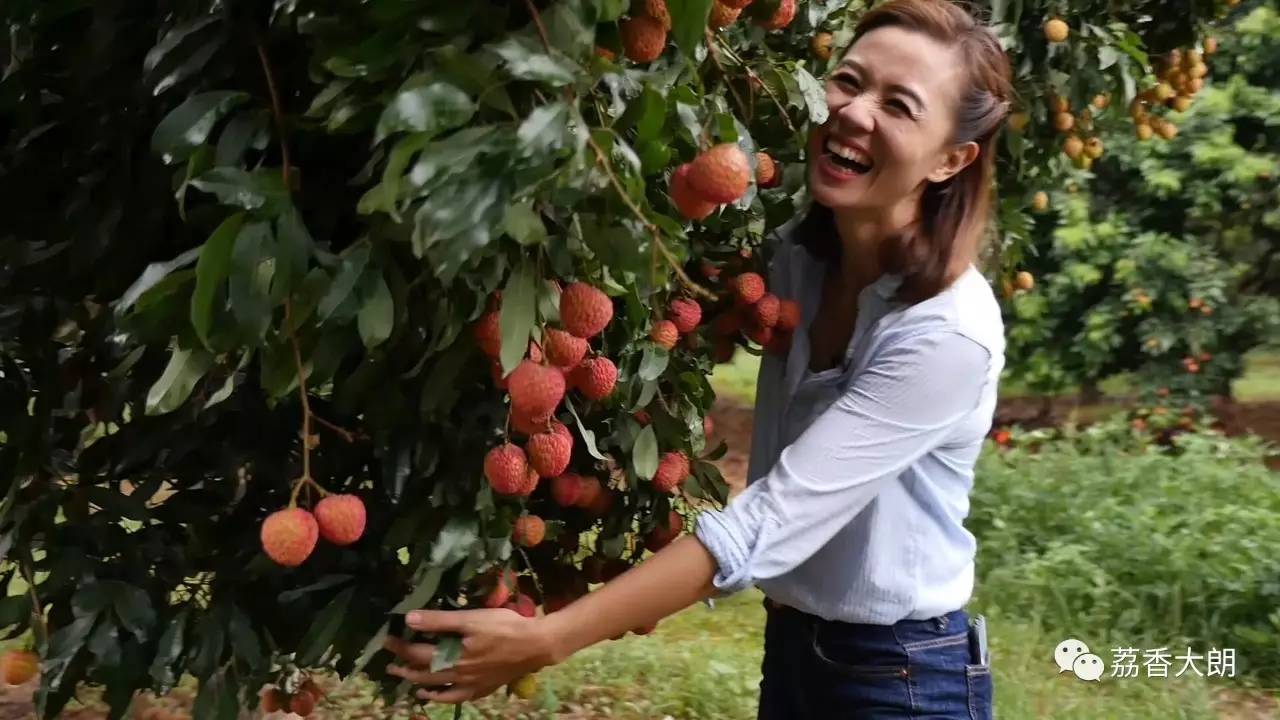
pixel 674 578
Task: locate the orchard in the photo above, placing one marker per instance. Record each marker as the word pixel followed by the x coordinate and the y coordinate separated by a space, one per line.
pixel 316 313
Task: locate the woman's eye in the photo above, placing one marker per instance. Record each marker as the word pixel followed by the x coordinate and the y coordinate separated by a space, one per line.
pixel 900 107
pixel 847 81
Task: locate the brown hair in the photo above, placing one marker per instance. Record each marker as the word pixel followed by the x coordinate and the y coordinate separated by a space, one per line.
pixel 953 213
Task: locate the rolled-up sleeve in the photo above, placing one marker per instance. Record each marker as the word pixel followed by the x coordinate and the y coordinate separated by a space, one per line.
pixel 902 405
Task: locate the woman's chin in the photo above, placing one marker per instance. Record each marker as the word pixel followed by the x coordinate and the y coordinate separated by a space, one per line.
pixel 834 192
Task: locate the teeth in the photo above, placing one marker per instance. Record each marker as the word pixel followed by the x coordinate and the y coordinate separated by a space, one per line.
pixel 848 153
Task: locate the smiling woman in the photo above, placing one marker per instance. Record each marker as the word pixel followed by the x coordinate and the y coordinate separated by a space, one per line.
pixel 867 427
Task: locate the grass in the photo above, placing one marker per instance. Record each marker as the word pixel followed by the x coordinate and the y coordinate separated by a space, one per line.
pixel 1260 383
pixel 704 664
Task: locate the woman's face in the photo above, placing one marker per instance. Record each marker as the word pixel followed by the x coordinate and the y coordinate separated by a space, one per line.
pixel 892 102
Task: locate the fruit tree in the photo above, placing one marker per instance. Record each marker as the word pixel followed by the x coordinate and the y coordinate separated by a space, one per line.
pixel 317 312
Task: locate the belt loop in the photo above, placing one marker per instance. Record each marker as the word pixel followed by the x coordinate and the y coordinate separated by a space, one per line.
pixel 941 621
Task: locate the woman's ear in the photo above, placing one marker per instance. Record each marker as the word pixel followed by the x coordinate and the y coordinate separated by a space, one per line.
pixel 956 158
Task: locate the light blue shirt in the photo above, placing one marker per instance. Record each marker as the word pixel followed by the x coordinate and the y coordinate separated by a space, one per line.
pixel 860 475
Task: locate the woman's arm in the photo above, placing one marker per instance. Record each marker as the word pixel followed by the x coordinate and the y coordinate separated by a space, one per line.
pixel 500 646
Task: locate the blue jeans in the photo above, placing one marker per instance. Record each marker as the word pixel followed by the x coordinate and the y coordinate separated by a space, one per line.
pixel 920 669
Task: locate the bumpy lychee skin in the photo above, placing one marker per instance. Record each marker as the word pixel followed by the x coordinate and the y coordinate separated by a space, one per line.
pixel 788 316
pixel 506 469
pixel 664 334
pixel 18 667
pixel 721 174
pixel 767 174
pixel 722 15
pixel 271 700
pixel 302 703
pixel 566 489
pixel 487 334
pixel 662 535
pixel 288 536
pixel 504 584
pixel 596 377
pixel 761 336
pixel 736 4
pixel 589 491
pixel 748 287
pixel 341 518
pixel 530 483
pixel 643 38
pixel 656 9
pixel 528 531
pixel 549 452
pixel 673 468
pixel 535 389
pixel 781 17
pixel 765 312
pixel 686 314
pixel 562 348
pixel 690 204
pixel 526 425
pixel 585 311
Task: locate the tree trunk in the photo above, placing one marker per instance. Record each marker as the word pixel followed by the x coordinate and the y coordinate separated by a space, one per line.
pixel 1090 393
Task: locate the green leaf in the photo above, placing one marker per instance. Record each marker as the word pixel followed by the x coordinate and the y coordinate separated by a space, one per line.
pixel 237 188
pixel 172 38
pixel 377 311
pixel 815 96
pixel 216 699
pixel 422 591
pixel 644 456
pixel 325 628
pixel 545 130
pixel 430 109
pixel 448 652
pixel 244 641
pixel 247 129
pixel 185 369
pixel 527 61
pixel 250 280
pixel 524 224
pixel 169 649
pixel 608 10
pixel 654 362
pixel 1107 56
pixel 344 282
pixel 689 23
pixel 517 317
pixel 455 541
pixel 211 270
pixel 588 437
pixel 188 125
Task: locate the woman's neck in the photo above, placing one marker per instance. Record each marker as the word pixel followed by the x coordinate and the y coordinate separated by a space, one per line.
pixel 861 233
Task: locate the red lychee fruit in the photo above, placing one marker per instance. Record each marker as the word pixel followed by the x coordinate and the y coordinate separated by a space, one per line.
pixel 643 38
pixel 690 204
pixel 788 315
pixel 686 314
pixel 765 312
pixel 506 468
pixel 767 174
pixel 528 531
pixel 664 334
pixel 720 174
pixel 673 468
pixel 662 534
pixel 341 518
pixel 748 288
pixel 549 452
pixel 595 377
pixel 535 389
pixel 781 17
pixel 487 334
pixel 288 536
pixel 585 311
pixel 564 349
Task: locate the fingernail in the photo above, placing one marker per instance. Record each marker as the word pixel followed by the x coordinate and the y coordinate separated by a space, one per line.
pixel 413 618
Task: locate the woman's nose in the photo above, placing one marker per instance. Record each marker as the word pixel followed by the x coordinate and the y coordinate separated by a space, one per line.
pixel 857 115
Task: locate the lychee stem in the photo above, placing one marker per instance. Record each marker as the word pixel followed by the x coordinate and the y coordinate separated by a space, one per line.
pixel 715 58
pixel 786 117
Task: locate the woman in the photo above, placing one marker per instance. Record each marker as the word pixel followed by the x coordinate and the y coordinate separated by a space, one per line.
pixel 866 433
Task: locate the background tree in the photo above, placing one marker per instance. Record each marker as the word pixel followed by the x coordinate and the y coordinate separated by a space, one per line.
pixel 260 254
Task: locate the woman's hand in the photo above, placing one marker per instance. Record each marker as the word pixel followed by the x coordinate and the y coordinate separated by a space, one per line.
pixel 498 647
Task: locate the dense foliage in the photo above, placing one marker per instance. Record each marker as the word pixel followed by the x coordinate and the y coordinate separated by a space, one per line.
pixel 247 246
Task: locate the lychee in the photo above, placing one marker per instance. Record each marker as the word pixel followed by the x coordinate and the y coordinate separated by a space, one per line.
pixel 781 17
pixel 271 700
pixel 18 667
pixel 761 336
pixel 503 585
pixel 526 425
pixel 767 174
pixel 656 9
pixel 727 323
pixel 535 389
pixel 506 468
pixel 549 452
pixel 643 38
pixel 528 531
pixel 341 518
pixel 566 489
pixel 690 204
pixel 736 4
pixel 721 174
pixel 723 350
pixel 302 703
pixel 765 312
pixel 563 349
pixel 664 334
pixel 487 334
pixel 589 491
pixel 595 377
pixel 288 536
pixel 673 468
pixel 749 288
pixel 686 314
pixel 523 604
pixel 788 316
pixel 662 534
pixel 585 310
pixel 722 15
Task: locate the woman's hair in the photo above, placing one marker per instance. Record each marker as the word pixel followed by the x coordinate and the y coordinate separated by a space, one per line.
pixel 953 213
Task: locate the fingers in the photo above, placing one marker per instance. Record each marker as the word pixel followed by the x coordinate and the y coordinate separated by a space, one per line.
pixel 438 621
pixel 419 676
pixel 410 653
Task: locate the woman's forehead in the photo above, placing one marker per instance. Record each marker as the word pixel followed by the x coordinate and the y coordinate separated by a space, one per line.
pixel 898 56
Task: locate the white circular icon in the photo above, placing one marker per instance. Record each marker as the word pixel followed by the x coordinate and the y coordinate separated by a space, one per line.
pixel 1088 667
pixel 1067 652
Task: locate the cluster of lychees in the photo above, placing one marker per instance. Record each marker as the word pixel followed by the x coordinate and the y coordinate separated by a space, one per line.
pixel 752 313
pixel 717 176
pixel 644 32
pixel 290 535
pixel 300 702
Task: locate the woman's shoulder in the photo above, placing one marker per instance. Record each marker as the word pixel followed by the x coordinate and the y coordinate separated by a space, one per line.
pixel 967 307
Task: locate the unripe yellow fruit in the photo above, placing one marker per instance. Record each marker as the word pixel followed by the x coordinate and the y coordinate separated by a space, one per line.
pixel 1025 280
pixel 1056 30
pixel 1018 121
pixel 1093 148
pixel 1063 122
pixel 1143 131
pixel 1182 103
pixel 1167 130
pixel 1101 101
pixel 1073 147
pixel 526 688
pixel 1040 201
pixel 1164 91
pixel 1210 45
